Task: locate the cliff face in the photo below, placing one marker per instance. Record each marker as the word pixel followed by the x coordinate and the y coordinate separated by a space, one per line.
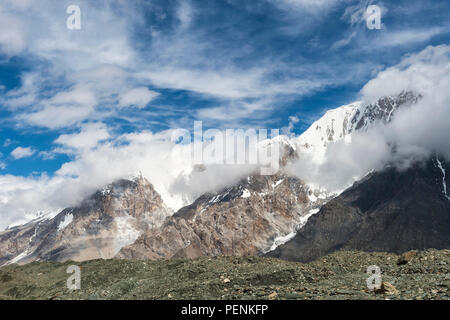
pixel 98 228
pixel 249 218
pixel 391 211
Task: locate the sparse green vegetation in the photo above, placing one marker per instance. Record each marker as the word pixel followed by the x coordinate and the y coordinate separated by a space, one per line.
pixel 341 275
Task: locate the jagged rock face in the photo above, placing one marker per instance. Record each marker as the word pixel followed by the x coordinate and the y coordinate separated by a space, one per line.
pixel 245 219
pixel 383 110
pixel 253 217
pixel 98 228
pixel 392 211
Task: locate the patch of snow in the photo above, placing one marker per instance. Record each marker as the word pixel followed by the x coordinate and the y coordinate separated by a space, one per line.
pixel 105 191
pixel 68 218
pixel 17 258
pixel 390 114
pixel 214 199
pixel 126 233
pixel 304 219
pixel 276 184
pixel 334 126
pixel 33 218
pixel 322 195
pixel 281 240
pixel 444 184
pixel 368 173
pixel 246 194
pixel 312 197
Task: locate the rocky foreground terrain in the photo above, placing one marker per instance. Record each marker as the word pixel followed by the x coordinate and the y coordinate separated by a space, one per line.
pixel 341 275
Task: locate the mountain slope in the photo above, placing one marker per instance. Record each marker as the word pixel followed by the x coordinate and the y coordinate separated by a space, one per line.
pixel 391 211
pixel 245 219
pixel 98 228
pixel 252 217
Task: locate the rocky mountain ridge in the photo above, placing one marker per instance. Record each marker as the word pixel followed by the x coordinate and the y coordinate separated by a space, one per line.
pixel 246 219
pixel 128 219
pixel 387 211
pixel 340 123
pixel 99 227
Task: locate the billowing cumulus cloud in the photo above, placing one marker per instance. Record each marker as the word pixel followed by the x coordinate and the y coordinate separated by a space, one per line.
pixel 21 152
pixel 99 160
pixel 415 133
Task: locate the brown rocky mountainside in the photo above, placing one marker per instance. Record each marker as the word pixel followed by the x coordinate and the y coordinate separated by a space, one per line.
pixel 251 217
pixel 128 219
pixel 388 211
pixel 246 219
pixel 98 228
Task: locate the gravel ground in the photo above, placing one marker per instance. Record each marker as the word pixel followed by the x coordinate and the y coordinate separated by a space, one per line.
pixel 341 275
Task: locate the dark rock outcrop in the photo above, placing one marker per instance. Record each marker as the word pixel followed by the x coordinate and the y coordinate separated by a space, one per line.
pixel 391 211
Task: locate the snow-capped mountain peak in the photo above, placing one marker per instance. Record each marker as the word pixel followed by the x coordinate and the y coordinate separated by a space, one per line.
pixel 335 125
pixel 340 123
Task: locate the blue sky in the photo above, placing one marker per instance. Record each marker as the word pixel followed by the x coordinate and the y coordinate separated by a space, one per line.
pixel 138 66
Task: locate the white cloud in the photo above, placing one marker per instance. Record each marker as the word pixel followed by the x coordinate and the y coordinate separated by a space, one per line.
pixel 12 39
pixel 47 155
pixel 21 152
pixel 39 28
pixel 357 14
pixel 7 142
pixel 65 108
pixel 92 95
pixel 88 137
pixel 420 72
pixel 167 165
pixel 58 116
pixel 399 38
pixel 309 5
pixel 388 36
pixel 153 155
pixel 138 97
pixel 113 73
pixel 293 120
pixel 24 96
pixel 230 84
pixel 345 41
pixel 185 13
pixel 416 131
pixel 21 198
pixel 96 69
pixel 87 65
